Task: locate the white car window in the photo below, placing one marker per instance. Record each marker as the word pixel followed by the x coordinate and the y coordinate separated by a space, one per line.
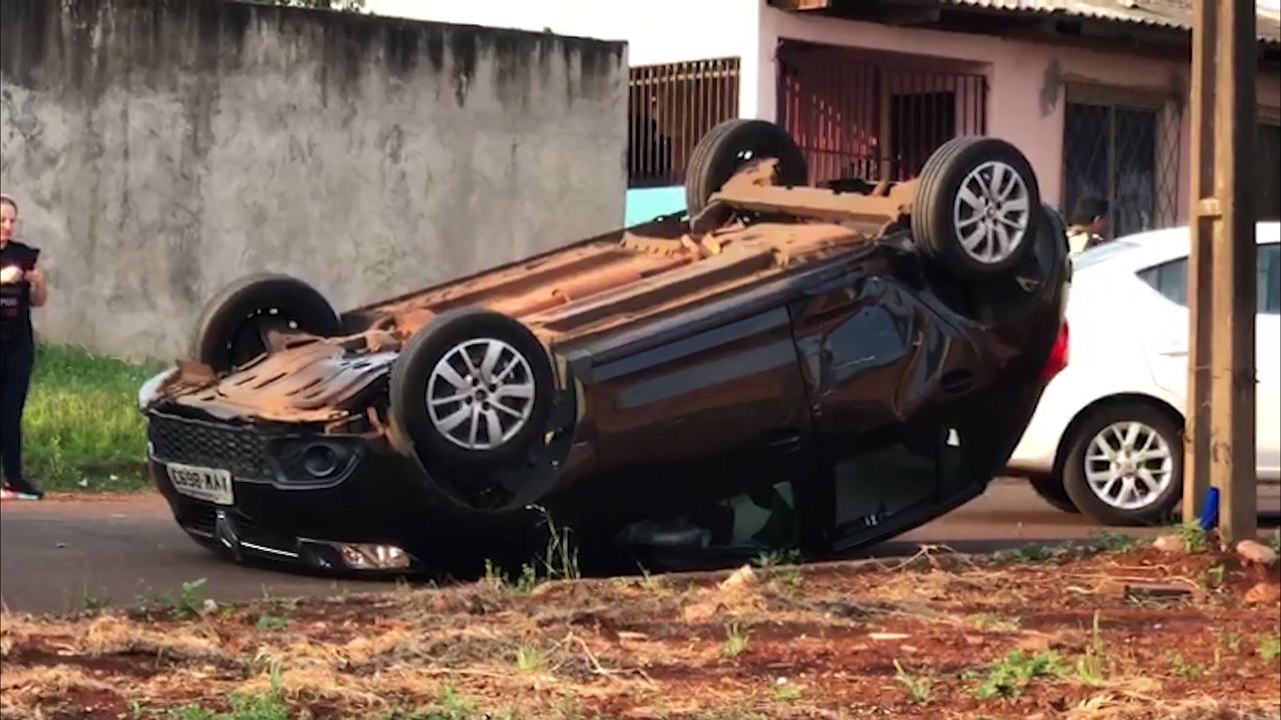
pixel 1171 279
pixel 1099 253
pixel 1270 279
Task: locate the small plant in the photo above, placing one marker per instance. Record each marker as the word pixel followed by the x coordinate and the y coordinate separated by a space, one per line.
pixel 1274 542
pixel 187 712
pixel 560 559
pixel 1183 668
pixel 1030 554
pixel 736 640
pixel 1231 640
pixel 648 581
pixel 270 705
pixel 1194 537
pixel 994 623
pixel 787 692
pixel 734 714
pixel 187 603
pixel 1009 676
pixel 527 581
pixel 449 705
pixel 524 584
pixel 530 659
pixel 783 566
pixel 1116 541
pixel 1214 577
pixel 1270 647
pixel 777 558
pixel 920 690
pixel 278 604
pixel 1095 664
pixel 89 602
pixel 272 622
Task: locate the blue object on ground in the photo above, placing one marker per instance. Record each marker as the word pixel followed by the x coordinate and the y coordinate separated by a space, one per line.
pixel 1210 515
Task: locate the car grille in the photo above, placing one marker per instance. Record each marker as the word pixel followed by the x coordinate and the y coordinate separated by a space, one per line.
pixel 199 517
pixel 193 442
pixel 202 517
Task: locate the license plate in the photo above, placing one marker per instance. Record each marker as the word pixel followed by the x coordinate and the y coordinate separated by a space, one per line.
pixel 202 483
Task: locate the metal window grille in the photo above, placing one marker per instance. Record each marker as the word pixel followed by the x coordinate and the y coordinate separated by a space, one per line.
pixel 1123 146
pixel 670 107
pixel 858 118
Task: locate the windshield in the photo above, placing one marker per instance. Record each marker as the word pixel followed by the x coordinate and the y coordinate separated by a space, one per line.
pixel 1100 253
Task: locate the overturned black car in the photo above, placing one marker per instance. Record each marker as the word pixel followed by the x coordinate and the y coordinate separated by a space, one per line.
pixel 784 367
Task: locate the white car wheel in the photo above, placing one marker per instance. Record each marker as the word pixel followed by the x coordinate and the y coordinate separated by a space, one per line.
pixel 1124 465
pixel 1128 465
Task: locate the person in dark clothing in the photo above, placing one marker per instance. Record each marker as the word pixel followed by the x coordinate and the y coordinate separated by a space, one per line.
pixel 1089 223
pixel 22 287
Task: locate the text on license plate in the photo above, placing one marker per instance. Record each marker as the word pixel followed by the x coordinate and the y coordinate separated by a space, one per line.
pixel 209 484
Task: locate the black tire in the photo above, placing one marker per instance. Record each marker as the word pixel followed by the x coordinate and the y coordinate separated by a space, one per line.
pixel 412 374
pixel 227 333
pixel 1050 489
pixel 1159 508
pixel 934 229
pixel 717 156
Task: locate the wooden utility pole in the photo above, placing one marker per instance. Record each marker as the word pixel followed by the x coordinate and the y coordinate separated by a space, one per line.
pixel 1220 450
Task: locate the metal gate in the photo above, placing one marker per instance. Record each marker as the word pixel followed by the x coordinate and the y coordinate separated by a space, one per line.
pixel 670 107
pixel 874 119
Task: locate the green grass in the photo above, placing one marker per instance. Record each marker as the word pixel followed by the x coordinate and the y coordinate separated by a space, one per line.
pixel 82 430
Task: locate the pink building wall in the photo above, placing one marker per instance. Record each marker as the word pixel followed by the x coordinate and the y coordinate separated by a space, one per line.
pixel 1026 81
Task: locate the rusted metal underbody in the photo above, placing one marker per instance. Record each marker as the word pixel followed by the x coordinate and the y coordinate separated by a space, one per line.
pixel 569 295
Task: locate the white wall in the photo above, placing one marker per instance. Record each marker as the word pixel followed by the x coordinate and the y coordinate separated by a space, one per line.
pixel 656 31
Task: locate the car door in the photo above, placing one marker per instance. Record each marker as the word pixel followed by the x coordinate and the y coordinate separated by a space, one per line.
pixel 1165 330
pixel 1162 307
pixel 732 389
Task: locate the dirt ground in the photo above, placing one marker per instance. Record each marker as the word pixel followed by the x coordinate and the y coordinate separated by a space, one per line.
pixel 1127 632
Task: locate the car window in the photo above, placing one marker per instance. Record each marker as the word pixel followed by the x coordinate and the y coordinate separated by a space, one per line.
pixel 1099 253
pixel 1171 279
pixel 1270 279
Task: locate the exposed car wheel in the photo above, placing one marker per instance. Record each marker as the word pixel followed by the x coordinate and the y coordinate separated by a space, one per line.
pixel 728 146
pixel 233 326
pixel 1124 466
pixel 976 208
pixel 472 389
pixel 1050 489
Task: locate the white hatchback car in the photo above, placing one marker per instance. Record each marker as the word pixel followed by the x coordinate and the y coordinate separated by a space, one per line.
pixel 1106 439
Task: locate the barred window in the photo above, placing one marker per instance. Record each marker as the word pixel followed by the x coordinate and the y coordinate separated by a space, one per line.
pixel 670 107
pixel 873 118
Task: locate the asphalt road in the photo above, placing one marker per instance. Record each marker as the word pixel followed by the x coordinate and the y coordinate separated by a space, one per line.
pixel 57 554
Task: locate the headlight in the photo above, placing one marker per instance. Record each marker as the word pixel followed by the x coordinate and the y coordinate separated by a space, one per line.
pixel 151 388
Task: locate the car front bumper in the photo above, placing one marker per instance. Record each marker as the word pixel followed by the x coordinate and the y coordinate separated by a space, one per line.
pixel 369 516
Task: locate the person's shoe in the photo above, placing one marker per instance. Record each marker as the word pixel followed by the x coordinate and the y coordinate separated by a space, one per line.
pixel 24 490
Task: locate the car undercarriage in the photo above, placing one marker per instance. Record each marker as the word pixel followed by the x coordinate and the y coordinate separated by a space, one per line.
pixel 783 367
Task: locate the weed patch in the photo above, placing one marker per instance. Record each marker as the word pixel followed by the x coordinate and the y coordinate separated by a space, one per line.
pixel 82 430
pixel 1009 676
